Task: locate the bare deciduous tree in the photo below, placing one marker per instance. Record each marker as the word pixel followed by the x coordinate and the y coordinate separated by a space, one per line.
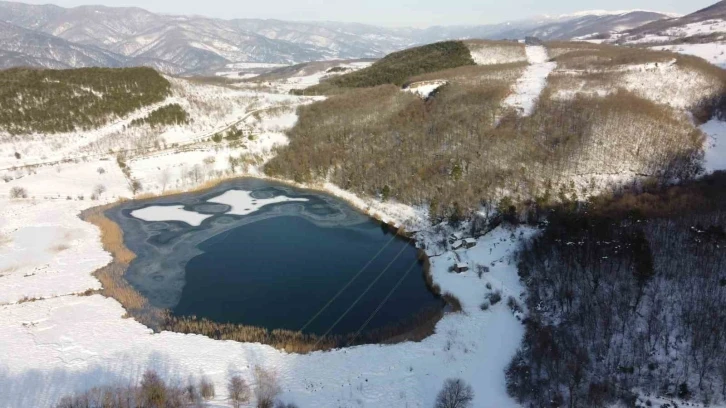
pixel 206 388
pixel 238 390
pixel 455 394
pixel 164 178
pixel 267 387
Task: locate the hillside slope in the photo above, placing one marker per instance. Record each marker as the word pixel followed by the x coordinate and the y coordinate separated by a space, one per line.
pixel 702 34
pixel 54 101
pixel 579 136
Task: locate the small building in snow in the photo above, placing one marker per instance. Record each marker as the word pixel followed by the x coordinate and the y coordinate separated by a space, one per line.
pixel 461 267
pixel 457 245
pixel 457 236
pixel 470 242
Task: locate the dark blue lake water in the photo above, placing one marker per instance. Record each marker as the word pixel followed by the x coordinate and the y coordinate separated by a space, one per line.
pixel 277 267
pixel 280 272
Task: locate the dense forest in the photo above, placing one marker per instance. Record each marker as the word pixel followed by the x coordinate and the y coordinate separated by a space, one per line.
pixel 629 293
pixel 172 114
pixel 460 149
pixel 54 101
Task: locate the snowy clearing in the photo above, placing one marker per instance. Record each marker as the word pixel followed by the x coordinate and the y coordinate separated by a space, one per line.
pixel 697 28
pixel 425 88
pixel 678 87
pixel 67 180
pixel 46 250
pixel 714 53
pixel 528 88
pixel 492 53
pixel 715 149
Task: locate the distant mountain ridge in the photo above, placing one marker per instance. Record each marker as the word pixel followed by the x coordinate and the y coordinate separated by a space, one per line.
pixel 712 17
pixel 55 37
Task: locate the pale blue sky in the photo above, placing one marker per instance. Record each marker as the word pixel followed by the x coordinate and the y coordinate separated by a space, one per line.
pixel 419 13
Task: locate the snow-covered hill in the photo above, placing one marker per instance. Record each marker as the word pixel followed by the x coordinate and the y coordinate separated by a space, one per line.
pixel 702 34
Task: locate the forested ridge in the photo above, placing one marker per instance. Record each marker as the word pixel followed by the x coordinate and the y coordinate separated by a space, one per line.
pixel 172 114
pixel 450 152
pixel 399 66
pixel 628 293
pixel 54 101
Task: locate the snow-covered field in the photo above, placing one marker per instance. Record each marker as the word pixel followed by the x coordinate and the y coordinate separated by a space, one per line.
pixel 528 88
pixel 678 86
pixel 313 76
pixel 705 27
pixel 715 149
pixel 715 52
pixel 46 250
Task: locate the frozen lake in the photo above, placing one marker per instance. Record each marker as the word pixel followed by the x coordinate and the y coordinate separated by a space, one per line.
pixel 258 253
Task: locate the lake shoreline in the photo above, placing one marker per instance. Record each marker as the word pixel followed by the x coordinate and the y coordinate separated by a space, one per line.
pixel 115 285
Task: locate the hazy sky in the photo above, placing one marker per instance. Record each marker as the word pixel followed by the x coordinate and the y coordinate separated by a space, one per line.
pixel 419 13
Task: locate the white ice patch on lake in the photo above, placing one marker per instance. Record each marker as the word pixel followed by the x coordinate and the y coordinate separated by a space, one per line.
pixel 242 202
pixel 170 213
pixel 715 149
pixel 530 85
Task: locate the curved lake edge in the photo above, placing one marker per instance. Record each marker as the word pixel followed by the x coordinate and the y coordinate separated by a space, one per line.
pixel 114 285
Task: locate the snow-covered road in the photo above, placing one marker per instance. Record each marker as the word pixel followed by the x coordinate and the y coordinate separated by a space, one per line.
pixel 530 85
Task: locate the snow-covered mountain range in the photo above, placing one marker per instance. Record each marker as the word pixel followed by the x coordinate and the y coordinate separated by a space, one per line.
pixel 702 34
pixel 56 37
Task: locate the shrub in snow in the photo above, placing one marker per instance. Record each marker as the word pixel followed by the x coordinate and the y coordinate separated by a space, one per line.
pixel 494 297
pixel 135 186
pixel 153 390
pixel 514 306
pixel 238 390
pixel 455 394
pixel 206 388
pixel 683 391
pixel 18 192
pixel 283 405
pixel 99 189
pixel 267 387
